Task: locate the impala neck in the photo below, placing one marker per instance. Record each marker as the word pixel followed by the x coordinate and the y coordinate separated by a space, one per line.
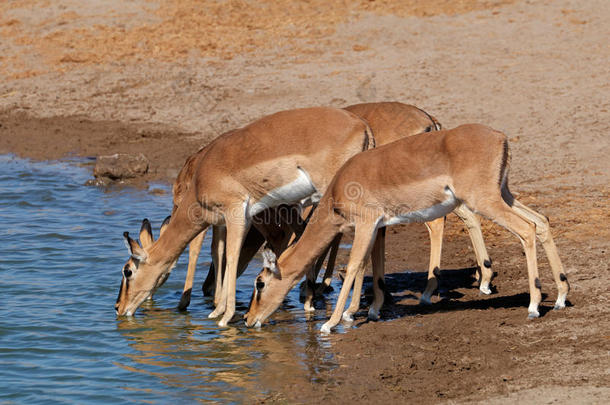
pixel 322 228
pixel 179 233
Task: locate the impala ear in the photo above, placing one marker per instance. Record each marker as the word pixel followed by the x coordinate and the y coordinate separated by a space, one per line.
pixel 164 225
pixel 135 250
pixel 146 236
pixel 269 260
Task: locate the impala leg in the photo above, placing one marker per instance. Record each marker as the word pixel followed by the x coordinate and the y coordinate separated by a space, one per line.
pixel 435 229
pixel 476 237
pixel 254 240
pixel 194 249
pixel 501 213
pixel 330 264
pixel 348 314
pixel 361 248
pixel 310 282
pixel 209 284
pixel 543 233
pixel 378 259
pixel 252 244
pixel 219 234
pixel 310 286
pixel 236 234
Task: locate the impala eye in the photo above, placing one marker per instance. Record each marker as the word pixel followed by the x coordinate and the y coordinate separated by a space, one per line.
pixel 260 285
pixel 127 272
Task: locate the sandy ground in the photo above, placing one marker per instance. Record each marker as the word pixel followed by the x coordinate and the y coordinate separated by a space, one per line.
pixel 164 78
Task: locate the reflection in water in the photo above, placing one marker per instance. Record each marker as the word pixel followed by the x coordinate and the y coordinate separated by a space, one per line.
pixel 190 353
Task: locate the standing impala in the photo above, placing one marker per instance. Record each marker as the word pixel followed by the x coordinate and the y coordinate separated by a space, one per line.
pixel 389 121
pixel 415 179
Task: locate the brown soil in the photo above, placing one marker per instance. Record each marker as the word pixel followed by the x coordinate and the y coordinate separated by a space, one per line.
pixel 164 78
pixel 167 29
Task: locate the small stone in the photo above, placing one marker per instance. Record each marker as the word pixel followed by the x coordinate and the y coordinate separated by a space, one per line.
pixel 101 182
pixel 157 191
pixel 121 166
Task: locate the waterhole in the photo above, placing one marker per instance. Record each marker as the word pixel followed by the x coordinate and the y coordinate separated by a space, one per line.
pixel 61 253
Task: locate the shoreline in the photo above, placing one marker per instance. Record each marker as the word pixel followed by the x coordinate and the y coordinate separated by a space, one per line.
pixel 56 138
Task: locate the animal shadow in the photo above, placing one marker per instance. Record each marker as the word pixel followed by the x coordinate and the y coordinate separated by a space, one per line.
pixel 407 283
pixel 410 285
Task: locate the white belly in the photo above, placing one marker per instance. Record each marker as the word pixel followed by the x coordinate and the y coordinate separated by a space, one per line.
pixel 423 215
pixel 301 190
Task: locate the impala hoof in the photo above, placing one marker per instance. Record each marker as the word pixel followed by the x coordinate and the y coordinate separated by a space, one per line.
pixel 533 315
pixel 485 289
pixel 373 314
pixel 226 319
pixel 325 328
pixel 533 311
pixel 425 300
pixel 561 302
pixel 185 301
pixel 347 317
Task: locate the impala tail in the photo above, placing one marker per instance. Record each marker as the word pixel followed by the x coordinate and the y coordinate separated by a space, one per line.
pixel 504 169
pixel 436 125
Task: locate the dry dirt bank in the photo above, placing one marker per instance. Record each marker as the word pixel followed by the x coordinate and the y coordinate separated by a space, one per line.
pixel 164 78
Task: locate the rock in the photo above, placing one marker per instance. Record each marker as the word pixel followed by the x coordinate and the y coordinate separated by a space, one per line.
pixel 121 166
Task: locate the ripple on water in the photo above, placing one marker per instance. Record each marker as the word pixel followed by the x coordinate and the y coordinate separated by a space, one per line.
pixel 60 261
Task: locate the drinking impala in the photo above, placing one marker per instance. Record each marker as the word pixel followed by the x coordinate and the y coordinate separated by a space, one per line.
pixel 415 179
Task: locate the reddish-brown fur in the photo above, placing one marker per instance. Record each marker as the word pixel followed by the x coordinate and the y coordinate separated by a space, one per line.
pixel 410 175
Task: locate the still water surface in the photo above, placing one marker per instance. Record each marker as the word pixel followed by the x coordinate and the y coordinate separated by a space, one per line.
pixel 61 252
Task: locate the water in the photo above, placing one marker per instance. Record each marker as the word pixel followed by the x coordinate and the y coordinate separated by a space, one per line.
pixel 61 252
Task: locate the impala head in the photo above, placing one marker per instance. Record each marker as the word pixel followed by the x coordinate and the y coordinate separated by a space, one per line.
pixel 139 278
pixel 269 291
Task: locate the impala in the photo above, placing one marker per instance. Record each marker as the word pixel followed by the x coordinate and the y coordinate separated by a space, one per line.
pixel 415 179
pixel 389 121
pixel 277 238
